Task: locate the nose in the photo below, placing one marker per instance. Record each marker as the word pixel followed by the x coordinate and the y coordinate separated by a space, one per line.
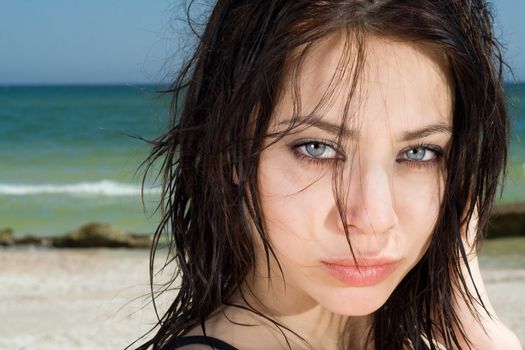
pixel 369 202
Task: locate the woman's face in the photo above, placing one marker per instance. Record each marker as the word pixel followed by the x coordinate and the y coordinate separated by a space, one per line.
pixel 391 156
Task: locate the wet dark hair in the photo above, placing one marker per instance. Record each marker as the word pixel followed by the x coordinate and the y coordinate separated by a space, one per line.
pixel 223 100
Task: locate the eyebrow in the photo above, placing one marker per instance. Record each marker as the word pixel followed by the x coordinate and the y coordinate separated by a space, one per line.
pixel 436 128
pixel 323 125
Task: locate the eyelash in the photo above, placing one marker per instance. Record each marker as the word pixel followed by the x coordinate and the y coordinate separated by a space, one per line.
pixel 421 164
pixel 436 150
pixel 313 160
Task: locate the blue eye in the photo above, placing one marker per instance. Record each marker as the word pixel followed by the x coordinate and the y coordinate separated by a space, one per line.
pixel 316 152
pixel 316 149
pixel 420 154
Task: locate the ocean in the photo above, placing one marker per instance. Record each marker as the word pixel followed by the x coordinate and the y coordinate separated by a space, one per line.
pixel 68 157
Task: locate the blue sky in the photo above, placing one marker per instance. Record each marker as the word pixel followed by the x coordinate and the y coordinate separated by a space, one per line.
pixel 132 41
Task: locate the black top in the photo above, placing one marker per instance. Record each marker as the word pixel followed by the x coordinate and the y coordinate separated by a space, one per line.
pixel 214 343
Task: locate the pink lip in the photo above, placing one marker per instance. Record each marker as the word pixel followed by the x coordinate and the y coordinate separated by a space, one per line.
pixel 371 271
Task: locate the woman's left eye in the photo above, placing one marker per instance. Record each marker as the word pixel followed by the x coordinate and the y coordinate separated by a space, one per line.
pixel 420 154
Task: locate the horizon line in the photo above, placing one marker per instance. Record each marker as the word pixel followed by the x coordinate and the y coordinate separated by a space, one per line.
pixel 117 83
pixel 37 84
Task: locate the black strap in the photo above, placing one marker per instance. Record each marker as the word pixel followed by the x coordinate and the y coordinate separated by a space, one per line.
pixel 199 339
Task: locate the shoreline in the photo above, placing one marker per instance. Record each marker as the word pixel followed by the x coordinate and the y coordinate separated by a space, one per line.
pixel 507 220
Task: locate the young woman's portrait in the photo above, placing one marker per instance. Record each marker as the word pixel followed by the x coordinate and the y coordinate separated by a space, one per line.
pixel 262 175
pixel 329 175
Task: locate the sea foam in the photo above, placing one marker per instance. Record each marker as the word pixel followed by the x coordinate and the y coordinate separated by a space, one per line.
pixel 99 188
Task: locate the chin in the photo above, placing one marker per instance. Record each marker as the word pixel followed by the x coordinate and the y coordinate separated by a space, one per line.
pixel 351 301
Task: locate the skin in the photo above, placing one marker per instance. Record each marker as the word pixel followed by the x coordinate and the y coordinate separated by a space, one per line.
pixel 391 186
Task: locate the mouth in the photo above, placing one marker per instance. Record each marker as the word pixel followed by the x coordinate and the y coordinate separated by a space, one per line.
pixel 367 272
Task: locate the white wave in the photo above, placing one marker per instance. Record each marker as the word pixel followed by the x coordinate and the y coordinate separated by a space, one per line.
pixel 100 188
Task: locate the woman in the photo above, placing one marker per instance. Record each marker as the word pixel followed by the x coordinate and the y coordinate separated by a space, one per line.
pixel 329 174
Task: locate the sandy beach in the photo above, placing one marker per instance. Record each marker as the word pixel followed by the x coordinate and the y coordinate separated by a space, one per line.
pixel 73 299
pixel 96 298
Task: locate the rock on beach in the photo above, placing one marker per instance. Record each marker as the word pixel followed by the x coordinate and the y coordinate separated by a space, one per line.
pixel 6 237
pixel 507 220
pixel 101 235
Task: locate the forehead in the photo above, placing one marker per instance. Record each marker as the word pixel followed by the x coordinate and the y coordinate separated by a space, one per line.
pixel 404 84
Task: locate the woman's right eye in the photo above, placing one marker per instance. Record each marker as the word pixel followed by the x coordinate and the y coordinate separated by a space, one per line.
pixel 316 151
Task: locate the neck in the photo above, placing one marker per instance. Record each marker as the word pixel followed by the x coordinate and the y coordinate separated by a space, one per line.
pixel 305 323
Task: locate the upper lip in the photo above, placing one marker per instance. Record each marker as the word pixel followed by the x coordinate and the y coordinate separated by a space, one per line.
pixel 361 261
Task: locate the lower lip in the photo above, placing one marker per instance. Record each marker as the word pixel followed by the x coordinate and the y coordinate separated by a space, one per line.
pixel 363 277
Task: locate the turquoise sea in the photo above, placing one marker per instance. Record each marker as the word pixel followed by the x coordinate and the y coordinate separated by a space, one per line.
pixel 67 158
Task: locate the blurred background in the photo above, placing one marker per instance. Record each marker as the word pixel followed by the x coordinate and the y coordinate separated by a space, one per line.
pixel 78 79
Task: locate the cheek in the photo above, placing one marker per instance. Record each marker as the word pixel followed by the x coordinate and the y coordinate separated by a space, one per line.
pixel 288 187
pixel 294 201
pixel 417 206
pixel 281 175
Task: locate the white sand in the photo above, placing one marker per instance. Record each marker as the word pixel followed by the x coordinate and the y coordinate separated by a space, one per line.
pixel 84 299
pixel 72 299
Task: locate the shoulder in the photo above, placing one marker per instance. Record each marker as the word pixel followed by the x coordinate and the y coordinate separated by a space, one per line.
pixel 231 329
